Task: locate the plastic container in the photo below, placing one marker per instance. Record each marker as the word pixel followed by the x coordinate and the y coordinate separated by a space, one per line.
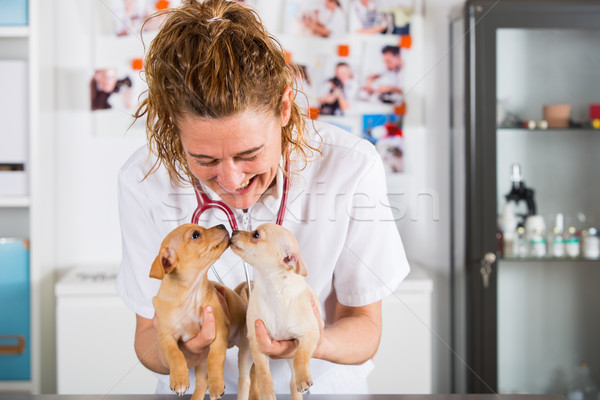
pixel 590 244
pixel 572 243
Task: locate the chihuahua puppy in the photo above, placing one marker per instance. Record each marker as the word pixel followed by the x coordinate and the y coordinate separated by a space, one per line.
pixel 282 299
pixel 185 256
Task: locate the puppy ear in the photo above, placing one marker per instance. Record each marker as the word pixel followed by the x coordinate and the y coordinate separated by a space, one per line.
pixel 294 262
pixel 163 263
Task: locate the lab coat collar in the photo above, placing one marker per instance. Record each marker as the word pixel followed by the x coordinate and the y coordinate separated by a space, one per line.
pixel 271 199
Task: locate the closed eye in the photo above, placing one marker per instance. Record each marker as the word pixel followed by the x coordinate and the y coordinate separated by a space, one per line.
pixel 207 163
pixel 252 158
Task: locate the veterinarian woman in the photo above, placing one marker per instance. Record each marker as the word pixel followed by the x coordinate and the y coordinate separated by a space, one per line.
pixel 221 111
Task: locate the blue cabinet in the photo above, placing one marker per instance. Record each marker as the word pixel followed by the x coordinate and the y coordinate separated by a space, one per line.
pixel 13 12
pixel 15 352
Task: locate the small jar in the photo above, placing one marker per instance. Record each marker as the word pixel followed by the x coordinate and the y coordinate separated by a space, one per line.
pixel 537 244
pixel 572 243
pixel 556 243
pixel 591 243
pixel 521 247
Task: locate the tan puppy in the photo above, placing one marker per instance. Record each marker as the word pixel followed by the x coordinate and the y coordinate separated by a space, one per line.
pixel 185 256
pixel 282 299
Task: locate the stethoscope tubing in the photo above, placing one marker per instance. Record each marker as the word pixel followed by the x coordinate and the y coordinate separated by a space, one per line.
pixel 205 203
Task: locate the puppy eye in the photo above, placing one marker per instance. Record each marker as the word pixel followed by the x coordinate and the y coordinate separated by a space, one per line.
pixel 195 234
pixel 256 235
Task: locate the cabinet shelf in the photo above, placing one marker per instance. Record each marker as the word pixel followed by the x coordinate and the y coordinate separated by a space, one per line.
pixel 14 201
pixel 549 259
pixel 550 129
pixel 14 31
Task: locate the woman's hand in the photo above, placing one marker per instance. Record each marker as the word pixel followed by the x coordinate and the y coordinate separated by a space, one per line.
pixel 194 350
pixel 282 348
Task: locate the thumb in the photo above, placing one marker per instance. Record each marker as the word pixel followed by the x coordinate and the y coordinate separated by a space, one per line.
pixel 208 331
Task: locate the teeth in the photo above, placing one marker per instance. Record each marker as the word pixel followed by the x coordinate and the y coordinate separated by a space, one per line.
pixel 243 185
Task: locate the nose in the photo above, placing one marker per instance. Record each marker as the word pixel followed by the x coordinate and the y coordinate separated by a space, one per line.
pixel 221 226
pixel 230 177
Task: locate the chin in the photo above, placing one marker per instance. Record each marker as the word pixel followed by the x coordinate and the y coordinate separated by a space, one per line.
pixel 241 202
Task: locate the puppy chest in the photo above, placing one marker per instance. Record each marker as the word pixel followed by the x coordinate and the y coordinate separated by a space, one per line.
pixel 285 318
pixel 184 327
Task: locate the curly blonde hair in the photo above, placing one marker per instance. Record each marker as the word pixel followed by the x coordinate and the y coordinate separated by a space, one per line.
pixel 213 59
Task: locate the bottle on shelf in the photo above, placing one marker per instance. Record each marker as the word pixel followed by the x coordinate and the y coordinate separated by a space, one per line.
pixel 535 229
pixel 572 243
pixel 556 244
pixel 537 244
pixel 583 387
pixel 521 245
pixel 556 239
pixel 590 244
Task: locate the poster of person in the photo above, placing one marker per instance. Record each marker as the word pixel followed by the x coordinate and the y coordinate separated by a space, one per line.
pixel 383 75
pixel 385 132
pixel 115 89
pixel 129 16
pixel 380 16
pixel 316 18
pixel 337 85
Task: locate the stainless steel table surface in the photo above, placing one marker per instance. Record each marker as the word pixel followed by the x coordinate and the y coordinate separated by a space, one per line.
pixel 287 397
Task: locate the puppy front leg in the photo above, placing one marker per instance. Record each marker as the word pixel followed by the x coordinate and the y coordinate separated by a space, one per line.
pixel 263 373
pixel 201 381
pixel 301 363
pixel 295 394
pixel 179 380
pixel 216 365
pixel 244 366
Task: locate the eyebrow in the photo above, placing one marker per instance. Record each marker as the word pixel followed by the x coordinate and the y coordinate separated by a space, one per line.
pixel 241 154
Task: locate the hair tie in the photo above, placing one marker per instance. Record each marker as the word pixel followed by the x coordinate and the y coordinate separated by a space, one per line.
pixel 213 19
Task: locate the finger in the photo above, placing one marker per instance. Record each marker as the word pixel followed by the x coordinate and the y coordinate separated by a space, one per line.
pixel 315 308
pixel 208 331
pixel 270 347
pixel 317 312
pixel 206 335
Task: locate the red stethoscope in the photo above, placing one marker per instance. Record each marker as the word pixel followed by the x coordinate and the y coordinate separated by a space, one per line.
pixel 205 203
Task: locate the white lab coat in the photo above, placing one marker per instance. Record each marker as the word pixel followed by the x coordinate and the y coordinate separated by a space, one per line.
pixel 337 209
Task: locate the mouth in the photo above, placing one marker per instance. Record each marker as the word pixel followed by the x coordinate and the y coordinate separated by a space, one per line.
pixel 225 241
pixel 243 188
pixel 233 246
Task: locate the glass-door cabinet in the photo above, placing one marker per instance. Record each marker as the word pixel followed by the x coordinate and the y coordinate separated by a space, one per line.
pixel 525 197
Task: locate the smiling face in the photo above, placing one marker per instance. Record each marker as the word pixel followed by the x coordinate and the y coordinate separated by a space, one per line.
pixel 237 157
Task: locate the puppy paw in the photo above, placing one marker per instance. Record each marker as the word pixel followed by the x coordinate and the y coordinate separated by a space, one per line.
pixel 217 397
pixel 216 388
pixel 303 382
pixel 180 389
pixel 179 383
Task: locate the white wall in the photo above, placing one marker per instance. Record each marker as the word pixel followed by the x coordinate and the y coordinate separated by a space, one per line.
pixel 87 161
pixel 437 257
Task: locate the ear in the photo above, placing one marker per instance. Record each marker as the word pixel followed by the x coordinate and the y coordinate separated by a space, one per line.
pixel 163 263
pixel 286 106
pixel 294 261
